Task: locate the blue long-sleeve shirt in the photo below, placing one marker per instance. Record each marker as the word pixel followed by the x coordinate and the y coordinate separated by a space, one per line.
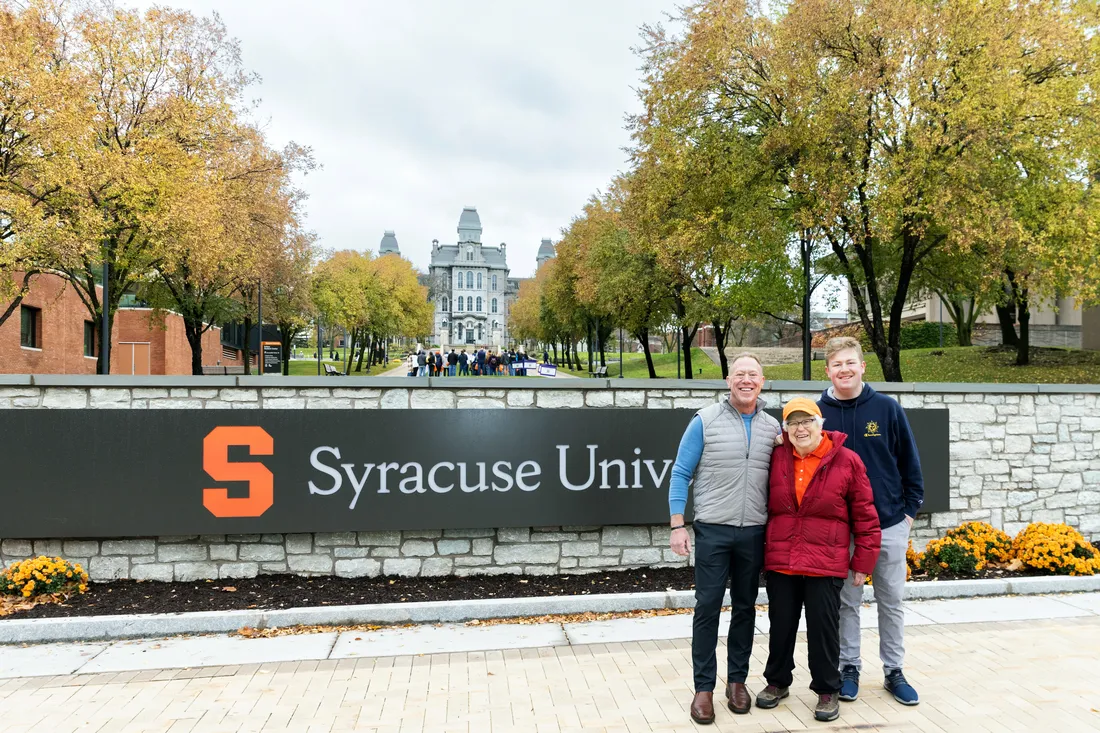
pixel 687 460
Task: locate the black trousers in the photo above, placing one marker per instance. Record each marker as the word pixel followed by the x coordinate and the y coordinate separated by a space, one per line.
pixel 787 594
pixel 725 554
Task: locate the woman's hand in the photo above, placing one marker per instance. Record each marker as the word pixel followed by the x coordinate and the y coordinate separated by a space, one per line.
pixel 859 579
pixel 680 542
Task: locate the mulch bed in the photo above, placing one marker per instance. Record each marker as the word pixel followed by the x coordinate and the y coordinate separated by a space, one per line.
pixel 290 591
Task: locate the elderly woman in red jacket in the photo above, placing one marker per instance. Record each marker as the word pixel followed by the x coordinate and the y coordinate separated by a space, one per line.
pixel 819 501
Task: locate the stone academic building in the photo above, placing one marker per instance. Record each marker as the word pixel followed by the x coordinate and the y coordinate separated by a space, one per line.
pixel 469 286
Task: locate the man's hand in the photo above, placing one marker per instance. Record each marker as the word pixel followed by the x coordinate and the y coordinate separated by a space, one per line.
pixel 859 579
pixel 680 542
pixel 779 439
pixel 909 519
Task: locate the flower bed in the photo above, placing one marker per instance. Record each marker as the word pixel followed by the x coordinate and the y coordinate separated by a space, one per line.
pixel 42 579
pixel 975 548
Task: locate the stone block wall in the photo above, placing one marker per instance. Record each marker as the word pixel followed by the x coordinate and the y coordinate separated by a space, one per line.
pixel 1019 454
pixel 424 553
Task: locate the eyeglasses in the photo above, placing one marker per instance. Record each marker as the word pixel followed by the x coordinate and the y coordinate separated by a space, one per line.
pixel 801 423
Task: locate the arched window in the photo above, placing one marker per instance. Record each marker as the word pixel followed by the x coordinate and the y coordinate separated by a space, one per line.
pixel 494 305
pixel 469 255
pixel 479 336
pixel 460 331
pixel 470 280
pixel 494 282
pixel 460 303
pixel 479 281
pixel 459 279
pixel 495 325
pixel 444 305
pixel 478 310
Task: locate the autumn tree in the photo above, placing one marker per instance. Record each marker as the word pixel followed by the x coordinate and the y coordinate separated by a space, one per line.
pixel 43 130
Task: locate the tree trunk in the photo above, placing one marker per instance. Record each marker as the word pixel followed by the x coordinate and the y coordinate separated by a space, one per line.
pixel 643 336
pixel 1023 348
pixel 247 350
pixel 688 335
pixel 720 335
pixel 806 248
pixel 286 339
pixel 1006 313
pixel 576 355
pixel 194 340
pixel 554 348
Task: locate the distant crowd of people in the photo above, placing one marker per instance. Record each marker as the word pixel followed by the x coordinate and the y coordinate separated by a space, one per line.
pixel 480 363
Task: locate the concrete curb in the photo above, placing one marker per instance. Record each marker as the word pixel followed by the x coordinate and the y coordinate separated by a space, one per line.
pixel 95 628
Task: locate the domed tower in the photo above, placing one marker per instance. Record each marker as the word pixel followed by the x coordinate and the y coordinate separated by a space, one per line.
pixel 546 252
pixel 389 245
pixel 469 226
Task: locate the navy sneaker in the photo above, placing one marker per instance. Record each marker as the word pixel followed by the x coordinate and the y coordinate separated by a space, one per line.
pixel 902 691
pixel 849 683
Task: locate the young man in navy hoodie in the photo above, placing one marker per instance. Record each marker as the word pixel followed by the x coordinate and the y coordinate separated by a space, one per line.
pixel 879 432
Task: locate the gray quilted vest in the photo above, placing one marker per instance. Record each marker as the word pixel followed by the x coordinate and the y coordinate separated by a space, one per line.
pixel 731 481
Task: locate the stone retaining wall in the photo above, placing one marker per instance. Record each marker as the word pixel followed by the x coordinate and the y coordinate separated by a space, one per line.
pixel 1019 453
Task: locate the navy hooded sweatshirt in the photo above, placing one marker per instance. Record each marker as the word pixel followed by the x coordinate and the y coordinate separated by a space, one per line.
pixel 879 432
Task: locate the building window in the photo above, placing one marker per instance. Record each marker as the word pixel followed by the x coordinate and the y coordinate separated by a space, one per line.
pixel 460 332
pixel 469 281
pixel 460 303
pixel 494 282
pixel 30 327
pixel 479 281
pixel 89 338
pixel 479 336
pixel 469 255
pixel 444 305
pixel 495 325
pixel 478 305
pixel 494 305
pixel 460 281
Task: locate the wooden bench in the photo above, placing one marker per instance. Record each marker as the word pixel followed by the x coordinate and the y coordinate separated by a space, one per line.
pixel 600 373
pixel 331 371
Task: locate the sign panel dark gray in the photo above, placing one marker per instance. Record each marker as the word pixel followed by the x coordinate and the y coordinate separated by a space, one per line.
pixel 119 473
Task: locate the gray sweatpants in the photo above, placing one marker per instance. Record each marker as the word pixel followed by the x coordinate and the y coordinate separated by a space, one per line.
pixel 888 583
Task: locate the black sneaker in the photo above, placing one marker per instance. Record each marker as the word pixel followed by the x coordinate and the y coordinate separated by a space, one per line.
pixel 849 683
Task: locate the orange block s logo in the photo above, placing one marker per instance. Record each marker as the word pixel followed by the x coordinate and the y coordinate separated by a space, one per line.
pixel 215 461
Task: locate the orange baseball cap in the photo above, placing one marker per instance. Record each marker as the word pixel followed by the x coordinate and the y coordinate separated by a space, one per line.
pixel 801 404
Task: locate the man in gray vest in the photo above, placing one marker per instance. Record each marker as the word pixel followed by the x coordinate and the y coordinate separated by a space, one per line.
pixel 725 455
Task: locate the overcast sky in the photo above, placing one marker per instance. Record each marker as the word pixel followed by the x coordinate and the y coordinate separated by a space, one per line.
pixel 418 108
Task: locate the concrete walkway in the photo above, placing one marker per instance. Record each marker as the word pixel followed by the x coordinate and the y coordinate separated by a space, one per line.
pixel 221 649
pixel 980 665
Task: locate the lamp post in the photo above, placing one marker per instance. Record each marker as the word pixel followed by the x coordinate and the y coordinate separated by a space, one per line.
pixel 105 335
pixel 319 341
pixel 620 352
pixel 260 322
pixel 677 351
pixel 940 299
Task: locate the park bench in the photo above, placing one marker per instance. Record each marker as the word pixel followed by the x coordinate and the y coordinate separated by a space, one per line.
pixel 331 371
pixel 600 373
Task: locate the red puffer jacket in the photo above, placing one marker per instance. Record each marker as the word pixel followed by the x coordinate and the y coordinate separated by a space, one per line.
pixel 813 538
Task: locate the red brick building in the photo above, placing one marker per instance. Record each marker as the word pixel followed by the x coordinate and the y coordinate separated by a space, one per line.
pixel 51 332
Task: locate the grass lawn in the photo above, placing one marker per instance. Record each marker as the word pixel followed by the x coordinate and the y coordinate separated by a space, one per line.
pixel 973 364
pixel 634 366
pixel 308 368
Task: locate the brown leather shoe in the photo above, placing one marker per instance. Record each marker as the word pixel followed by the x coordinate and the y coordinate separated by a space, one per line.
pixel 702 708
pixel 740 701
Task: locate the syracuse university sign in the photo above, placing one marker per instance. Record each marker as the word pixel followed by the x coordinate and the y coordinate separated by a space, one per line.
pixel 119 473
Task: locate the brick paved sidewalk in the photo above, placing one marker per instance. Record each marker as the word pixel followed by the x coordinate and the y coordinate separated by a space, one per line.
pixel 1018 676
